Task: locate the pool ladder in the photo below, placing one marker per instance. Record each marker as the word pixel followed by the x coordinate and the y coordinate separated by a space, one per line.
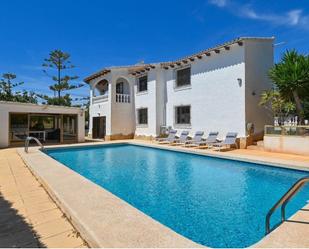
pixel 284 201
pixel 27 142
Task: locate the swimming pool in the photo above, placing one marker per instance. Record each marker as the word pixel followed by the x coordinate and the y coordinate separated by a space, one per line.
pixel 212 201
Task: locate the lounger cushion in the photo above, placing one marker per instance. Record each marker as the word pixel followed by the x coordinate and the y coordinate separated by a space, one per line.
pixel 212 137
pixel 199 133
pixel 184 133
pixel 213 133
pixel 230 138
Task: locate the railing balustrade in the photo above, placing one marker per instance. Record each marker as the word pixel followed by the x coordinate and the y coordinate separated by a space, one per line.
pixel 299 130
pixel 122 98
pixel 99 99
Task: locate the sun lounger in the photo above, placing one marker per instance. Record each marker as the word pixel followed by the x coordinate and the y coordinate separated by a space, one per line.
pixel 169 139
pixel 198 137
pixel 229 140
pixel 210 140
pixel 182 139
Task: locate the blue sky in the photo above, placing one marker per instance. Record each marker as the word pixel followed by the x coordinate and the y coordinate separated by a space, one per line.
pixel 100 33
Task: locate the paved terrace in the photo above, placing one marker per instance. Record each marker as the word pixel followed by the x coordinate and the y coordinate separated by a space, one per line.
pixel 28 216
pixel 41 223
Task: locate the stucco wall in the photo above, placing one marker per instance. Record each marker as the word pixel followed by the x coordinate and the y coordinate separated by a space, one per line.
pixel 147 100
pixel 287 144
pixel 217 101
pixel 161 97
pixel 224 94
pixel 122 114
pixel 8 107
pixel 102 108
pixel 259 59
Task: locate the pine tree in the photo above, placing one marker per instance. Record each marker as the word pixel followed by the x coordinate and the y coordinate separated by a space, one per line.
pixel 59 61
pixel 7 92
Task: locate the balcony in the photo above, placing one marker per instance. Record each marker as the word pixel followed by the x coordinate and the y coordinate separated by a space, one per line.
pixel 122 98
pixel 99 99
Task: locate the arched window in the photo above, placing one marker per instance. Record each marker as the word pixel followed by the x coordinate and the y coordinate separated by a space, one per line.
pixel 101 88
pixel 122 86
pixel 122 91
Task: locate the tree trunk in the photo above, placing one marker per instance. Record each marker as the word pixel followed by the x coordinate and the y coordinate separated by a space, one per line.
pixel 299 107
pixel 59 79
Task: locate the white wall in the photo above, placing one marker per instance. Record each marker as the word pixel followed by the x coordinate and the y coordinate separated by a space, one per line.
pixel 287 144
pixel 147 100
pixel 122 114
pixel 259 59
pixel 100 109
pixel 217 101
pixel 8 107
pixel 161 97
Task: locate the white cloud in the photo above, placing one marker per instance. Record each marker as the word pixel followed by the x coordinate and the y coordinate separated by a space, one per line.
pixel 219 3
pixel 294 17
pixel 291 18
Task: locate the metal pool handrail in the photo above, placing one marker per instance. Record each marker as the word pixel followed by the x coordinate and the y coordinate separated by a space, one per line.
pixel 284 201
pixel 27 141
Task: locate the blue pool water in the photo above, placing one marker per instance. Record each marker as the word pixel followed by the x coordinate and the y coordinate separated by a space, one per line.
pixel 212 201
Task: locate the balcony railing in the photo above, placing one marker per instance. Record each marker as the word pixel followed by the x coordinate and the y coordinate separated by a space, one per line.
pixel 99 99
pixel 122 98
pixel 299 130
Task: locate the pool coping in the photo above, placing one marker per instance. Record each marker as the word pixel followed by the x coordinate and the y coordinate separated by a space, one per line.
pixel 120 217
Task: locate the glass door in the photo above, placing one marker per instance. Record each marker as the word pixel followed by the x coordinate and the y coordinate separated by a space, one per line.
pixel 18 130
pixel 69 127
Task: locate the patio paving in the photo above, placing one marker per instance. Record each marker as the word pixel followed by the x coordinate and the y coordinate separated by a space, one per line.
pixel 28 216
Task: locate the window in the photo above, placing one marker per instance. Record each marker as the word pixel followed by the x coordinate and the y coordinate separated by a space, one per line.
pixel 142 84
pixel 18 127
pixel 183 77
pixel 183 114
pixel 142 116
pixel 119 88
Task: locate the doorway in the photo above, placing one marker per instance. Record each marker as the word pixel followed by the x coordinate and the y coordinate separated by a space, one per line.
pixel 99 127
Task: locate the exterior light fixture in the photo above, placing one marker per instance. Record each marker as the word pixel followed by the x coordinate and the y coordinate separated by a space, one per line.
pixel 239 82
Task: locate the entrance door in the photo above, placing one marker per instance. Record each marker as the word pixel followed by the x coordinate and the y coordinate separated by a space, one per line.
pixel 98 127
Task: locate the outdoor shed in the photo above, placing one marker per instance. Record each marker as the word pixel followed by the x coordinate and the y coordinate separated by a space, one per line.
pixel 50 124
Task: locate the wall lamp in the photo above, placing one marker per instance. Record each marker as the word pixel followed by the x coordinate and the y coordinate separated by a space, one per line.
pixel 239 82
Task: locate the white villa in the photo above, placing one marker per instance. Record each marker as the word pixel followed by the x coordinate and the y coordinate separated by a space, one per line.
pixel 217 89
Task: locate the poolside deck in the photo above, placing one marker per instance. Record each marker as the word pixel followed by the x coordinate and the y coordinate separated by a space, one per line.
pixel 28 216
pixel 40 222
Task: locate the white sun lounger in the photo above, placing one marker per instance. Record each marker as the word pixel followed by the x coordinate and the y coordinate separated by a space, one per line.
pixel 169 139
pixel 229 140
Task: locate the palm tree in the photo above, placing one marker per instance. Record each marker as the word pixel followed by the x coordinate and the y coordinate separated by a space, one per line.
pixel 276 104
pixel 291 76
